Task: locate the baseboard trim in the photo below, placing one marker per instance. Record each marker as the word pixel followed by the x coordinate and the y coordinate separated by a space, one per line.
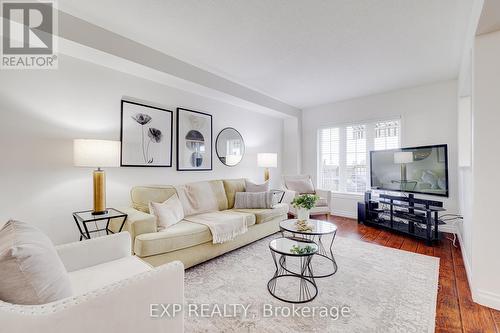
pixel 467 264
pixel 345 213
pixel 488 299
pixel 479 296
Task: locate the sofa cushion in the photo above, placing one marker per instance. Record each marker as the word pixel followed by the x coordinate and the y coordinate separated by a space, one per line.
pixel 94 277
pixel 179 236
pixel 143 195
pixel 232 186
pixel 167 213
pixel 31 271
pixel 197 198
pixel 266 215
pixel 250 218
pixel 220 193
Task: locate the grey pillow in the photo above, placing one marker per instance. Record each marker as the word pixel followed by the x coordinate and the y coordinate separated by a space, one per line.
pixel 31 272
pixel 253 200
pixel 252 187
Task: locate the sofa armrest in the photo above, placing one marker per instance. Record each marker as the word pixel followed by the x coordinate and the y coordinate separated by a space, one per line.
pixel 123 307
pixel 94 251
pixel 327 195
pixel 137 223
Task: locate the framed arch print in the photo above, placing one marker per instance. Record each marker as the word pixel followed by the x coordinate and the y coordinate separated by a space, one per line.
pixel 194 140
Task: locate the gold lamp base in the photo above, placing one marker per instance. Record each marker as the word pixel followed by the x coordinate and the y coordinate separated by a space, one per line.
pixel 99 192
pixel 266 174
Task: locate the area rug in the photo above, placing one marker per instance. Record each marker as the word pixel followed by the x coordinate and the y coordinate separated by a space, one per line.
pixel 376 289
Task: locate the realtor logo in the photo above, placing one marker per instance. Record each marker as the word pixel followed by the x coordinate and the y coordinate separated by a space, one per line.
pixel 28 35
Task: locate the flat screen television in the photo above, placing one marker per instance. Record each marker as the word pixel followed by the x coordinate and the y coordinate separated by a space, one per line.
pixel 415 170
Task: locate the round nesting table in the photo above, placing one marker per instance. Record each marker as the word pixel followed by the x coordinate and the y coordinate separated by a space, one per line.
pixel 303 250
pixel 318 230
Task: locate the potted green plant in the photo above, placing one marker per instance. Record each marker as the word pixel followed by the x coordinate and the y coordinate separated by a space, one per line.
pixel 304 203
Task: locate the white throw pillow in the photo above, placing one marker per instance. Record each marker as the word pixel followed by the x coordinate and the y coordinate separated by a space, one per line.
pixel 31 271
pixel 252 187
pixel 167 213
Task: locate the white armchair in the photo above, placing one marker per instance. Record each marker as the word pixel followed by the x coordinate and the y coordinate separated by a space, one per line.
pixel 112 292
pixel 294 186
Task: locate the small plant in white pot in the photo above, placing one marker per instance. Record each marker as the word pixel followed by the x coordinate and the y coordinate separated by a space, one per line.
pixel 304 203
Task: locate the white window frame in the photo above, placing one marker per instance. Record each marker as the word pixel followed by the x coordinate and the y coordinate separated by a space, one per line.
pixel 370 140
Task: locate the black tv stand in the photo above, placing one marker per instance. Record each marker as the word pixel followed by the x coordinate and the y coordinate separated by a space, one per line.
pixel 408 215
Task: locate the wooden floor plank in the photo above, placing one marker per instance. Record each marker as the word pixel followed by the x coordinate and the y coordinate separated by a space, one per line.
pixel 382 238
pixel 371 235
pixel 448 317
pixel 395 241
pixel 455 311
pixel 423 248
pixel 409 245
pixel 496 319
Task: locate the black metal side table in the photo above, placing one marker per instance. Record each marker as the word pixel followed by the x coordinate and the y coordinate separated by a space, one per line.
pixel 319 229
pixel 84 217
pixel 300 249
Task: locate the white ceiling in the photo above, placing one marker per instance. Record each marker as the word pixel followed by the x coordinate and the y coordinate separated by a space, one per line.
pixel 304 53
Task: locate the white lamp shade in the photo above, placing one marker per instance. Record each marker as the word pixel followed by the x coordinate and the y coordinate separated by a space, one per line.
pixel 96 153
pixel 402 157
pixel 267 160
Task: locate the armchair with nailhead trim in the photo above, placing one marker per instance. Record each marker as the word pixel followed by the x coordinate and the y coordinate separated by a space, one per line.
pixel 112 292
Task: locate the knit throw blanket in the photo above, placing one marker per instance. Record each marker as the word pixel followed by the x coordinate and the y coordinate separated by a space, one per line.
pixel 224 227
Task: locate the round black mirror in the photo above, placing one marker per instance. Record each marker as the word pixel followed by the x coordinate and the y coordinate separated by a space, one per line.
pixel 230 146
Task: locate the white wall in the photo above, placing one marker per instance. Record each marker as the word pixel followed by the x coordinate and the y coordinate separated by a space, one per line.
pixel 465 174
pixel 428 114
pixel 291 146
pixel 486 177
pixel 41 111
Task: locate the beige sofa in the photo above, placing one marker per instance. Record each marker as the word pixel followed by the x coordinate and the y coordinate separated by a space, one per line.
pixel 189 242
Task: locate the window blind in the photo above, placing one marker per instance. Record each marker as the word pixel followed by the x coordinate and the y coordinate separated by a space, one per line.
pixel 344 153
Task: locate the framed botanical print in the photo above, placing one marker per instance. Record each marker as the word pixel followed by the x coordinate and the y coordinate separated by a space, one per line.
pixel 194 140
pixel 146 135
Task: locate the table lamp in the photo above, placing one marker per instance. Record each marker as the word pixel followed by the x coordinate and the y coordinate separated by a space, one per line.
pixel 267 160
pixel 97 154
pixel 403 158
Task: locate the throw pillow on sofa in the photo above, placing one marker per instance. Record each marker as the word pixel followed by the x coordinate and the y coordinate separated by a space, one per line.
pixel 253 200
pixel 252 187
pixel 167 213
pixel 31 271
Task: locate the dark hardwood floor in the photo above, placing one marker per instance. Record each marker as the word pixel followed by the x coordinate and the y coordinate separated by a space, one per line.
pixel 456 312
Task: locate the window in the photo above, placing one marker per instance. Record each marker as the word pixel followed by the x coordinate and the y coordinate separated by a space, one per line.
pixel 386 135
pixel 344 153
pixel 355 170
pixel 330 155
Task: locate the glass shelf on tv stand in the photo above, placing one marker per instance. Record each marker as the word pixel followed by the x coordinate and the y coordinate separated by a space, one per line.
pixel 419 207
